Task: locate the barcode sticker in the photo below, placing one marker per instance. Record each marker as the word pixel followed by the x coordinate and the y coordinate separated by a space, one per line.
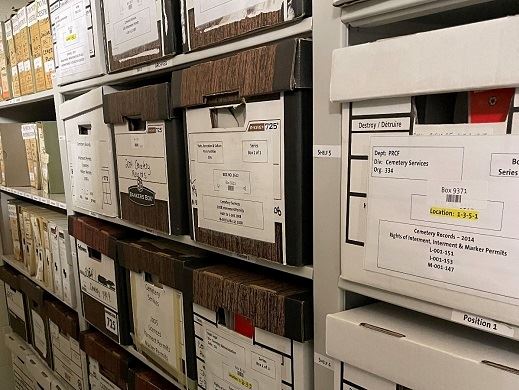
pixel 470 194
pixel 452 198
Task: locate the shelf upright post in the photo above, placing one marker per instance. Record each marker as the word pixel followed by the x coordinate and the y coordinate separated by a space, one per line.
pixel 329 33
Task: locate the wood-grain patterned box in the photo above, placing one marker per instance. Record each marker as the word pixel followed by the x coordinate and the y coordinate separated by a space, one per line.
pixel 108 363
pixel 69 360
pixel 249 127
pixel 157 304
pixel 40 322
pixel 90 154
pixel 137 32
pixel 147 379
pixel 209 22
pixel 102 279
pixel 17 305
pixel 150 152
pixel 251 329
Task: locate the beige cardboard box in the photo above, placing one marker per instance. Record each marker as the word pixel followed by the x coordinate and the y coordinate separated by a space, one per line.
pixel 91 154
pixel 5 64
pixel 36 47
pixel 25 66
pixel 406 228
pixel 78 39
pixel 348 377
pixel 10 29
pixel 417 351
pixel 14 224
pixel 14 158
pixel 50 158
pixel 20 353
pixel 47 43
pixel 30 136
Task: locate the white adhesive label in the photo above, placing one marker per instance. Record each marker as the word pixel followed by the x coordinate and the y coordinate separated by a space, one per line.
pixel 15 302
pixel 482 323
pixel 111 322
pixel 327 151
pixel 208 10
pixel 324 361
pixel 442 211
pixel 40 337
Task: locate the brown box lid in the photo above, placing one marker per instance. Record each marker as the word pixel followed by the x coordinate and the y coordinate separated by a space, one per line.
pixel 164 259
pixel 276 305
pixel 273 68
pixel 113 360
pixel 97 234
pixel 32 290
pixel 65 318
pixel 147 103
pixel 147 379
pixel 10 276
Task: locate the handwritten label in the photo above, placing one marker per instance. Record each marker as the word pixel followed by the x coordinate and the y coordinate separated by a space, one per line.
pixel 324 361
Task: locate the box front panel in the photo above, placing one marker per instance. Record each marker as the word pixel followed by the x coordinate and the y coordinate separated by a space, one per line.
pixel 158 324
pixel 40 335
pixel 236 174
pixel 142 174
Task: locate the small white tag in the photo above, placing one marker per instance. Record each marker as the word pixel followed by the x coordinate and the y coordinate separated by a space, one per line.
pixel 29 131
pixel 324 361
pixel 111 322
pixel 327 151
pixel 482 323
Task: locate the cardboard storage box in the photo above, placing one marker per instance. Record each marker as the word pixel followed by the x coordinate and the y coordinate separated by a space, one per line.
pixel 137 33
pixel 47 42
pixel 77 29
pixel 69 360
pixel 14 158
pixel 20 355
pixel 348 377
pixel 32 151
pixel 36 48
pixel 17 306
pixel 24 54
pixel 38 317
pixel 10 29
pixel 42 376
pixel 429 204
pixel 147 379
pixel 90 154
pixel 251 330
pixel 151 158
pixel 50 158
pixel 103 281
pixel 14 226
pixel 208 23
pixel 435 351
pixel 108 363
pixel 5 65
pixel 158 307
pixel 250 151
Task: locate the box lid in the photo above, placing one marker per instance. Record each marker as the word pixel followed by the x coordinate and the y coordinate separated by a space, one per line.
pixel 65 318
pixel 97 234
pixel 10 276
pixel 147 379
pixel 34 292
pixel 416 350
pixel 113 360
pixel 278 67
pixel 160 258
pixel 282 307
pixel 83 103
pixel 146 103
pixel 424 64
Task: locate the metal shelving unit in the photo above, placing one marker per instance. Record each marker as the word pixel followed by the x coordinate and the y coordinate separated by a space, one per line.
pixel 27 99
pixel 53 200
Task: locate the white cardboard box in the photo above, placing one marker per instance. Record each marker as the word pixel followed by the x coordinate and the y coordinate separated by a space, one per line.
pixel 348 377
pixel 20 354
pixel 266 362
pixel 400 175
pixel 90 154
pixel 77 31
pixel 417 351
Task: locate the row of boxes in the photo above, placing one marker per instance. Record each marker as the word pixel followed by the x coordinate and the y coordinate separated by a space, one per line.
pixel 67 359
pixel 34 146
pixel 248 140
pixel 26 51
pixel 205 322
pixel 139 32
pixel 42 245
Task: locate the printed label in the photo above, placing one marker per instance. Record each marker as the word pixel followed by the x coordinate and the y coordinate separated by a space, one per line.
pixel 255 151
pixel 390 124
pixel 210 152
pixel 327 151
pixel 234 211
pixel 232 181
pixel 482 323
pixel 438 214
pixel 141 195
pixel 29 131
pixel 208 10
pixel 111 322
pixel 40 338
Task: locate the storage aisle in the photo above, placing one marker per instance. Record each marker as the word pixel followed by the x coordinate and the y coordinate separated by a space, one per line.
pixel 259 194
